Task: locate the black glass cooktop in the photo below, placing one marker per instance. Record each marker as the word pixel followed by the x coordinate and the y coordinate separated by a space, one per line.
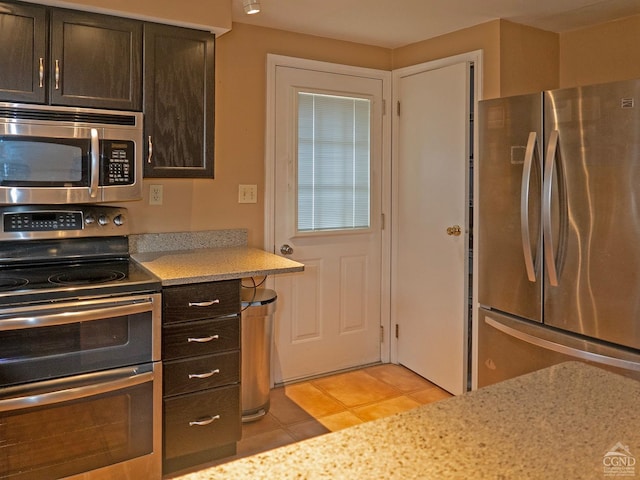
pixel 72 280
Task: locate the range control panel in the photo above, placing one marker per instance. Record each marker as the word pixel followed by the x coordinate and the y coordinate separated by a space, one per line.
pixel 21 222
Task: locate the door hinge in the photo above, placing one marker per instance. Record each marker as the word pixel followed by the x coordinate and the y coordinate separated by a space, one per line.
pixel 398 108
pixel 397 330
pixel 381 334
pixel 382 219
pixel 384 107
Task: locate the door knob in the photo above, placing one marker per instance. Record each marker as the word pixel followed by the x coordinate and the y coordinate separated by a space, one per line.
pixel 455 230
pixel 286 249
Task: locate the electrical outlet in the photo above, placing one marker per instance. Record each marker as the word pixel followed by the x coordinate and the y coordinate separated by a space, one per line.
pixel 155 194
pixel 247 193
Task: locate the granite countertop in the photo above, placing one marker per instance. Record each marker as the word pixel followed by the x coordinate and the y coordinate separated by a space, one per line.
pixel 564 422
pixel 177 267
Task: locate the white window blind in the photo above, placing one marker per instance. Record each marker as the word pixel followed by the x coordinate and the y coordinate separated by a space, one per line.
pixel 333 162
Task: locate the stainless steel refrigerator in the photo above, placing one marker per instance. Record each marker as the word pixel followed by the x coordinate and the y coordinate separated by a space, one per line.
pixel 559 230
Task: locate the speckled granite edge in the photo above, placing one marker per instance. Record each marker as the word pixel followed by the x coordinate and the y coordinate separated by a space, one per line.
pixel 556 423
pixel 163 242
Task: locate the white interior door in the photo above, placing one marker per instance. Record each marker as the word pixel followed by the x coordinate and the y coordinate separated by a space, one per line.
pixel 327 215
pixel 430 262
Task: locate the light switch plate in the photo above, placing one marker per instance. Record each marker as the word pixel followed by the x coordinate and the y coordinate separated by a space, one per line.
pixel 247 193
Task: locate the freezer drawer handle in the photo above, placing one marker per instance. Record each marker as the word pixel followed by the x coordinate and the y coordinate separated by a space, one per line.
pixel 530 153
pixel 559 348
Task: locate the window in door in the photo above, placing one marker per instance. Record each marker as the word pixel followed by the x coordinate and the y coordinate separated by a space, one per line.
pixel 334 190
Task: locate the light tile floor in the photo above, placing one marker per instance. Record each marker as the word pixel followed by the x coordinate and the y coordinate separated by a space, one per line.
pixel 314 407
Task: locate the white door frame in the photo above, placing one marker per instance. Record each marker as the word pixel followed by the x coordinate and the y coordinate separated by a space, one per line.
pixel 476 58
pixel 273 61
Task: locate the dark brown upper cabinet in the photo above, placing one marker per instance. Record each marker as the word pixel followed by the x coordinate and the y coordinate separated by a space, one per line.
pixel 23 53
pixel 96 60
pixel 91 60
pixel 179 102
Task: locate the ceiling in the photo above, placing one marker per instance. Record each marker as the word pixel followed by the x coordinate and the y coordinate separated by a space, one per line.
pixel 395 23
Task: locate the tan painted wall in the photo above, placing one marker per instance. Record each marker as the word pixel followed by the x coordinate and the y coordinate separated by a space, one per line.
pixel 603 53
pixel 485 36
pixel 240 125
pixel 529 59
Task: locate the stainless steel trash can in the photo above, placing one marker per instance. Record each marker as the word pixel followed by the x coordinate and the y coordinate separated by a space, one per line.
pixel 258 307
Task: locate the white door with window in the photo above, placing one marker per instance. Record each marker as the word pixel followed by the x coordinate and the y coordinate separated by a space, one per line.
pixel 431 217
pixel 327 207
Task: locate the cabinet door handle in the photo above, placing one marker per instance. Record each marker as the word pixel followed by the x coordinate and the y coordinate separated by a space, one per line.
pixel 204 304
pixel 207 421
pixel 204 375
pixel 203 339
pixel 57 74
pixel 150 150
pixel 41 72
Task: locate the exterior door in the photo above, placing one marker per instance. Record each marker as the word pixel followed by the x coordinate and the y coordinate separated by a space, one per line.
pixel 328 150
pixel 431 238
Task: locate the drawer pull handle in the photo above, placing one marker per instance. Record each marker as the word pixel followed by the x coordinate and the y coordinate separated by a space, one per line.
pixel 204 375
pixel 204 304
pixel 203 339
pixel 201 423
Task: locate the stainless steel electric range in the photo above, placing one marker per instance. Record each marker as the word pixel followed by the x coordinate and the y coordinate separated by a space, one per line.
pixel 79 347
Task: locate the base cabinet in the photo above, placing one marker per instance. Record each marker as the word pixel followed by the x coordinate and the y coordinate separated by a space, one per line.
pixel 202 418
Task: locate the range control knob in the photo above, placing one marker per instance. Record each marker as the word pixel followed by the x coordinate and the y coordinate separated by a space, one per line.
pixel 103 220
pixel 89 220
pixel 118 220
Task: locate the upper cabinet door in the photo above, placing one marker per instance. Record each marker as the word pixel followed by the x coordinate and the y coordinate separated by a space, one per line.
pixel 178 102
pixel 23 47
pixel 95 60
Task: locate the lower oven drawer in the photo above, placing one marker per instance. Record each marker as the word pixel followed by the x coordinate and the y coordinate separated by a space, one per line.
pixel 201 421
pixel 200 373
pixel 202 337
pixel 70 426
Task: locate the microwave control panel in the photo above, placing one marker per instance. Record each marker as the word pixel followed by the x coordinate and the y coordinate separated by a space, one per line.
pixel 118 162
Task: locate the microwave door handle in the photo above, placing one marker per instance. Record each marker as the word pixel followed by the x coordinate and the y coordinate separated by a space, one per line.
pixel 95 164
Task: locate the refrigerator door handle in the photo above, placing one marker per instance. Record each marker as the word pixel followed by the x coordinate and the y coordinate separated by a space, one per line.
pixel 531 151
pixel 549 168
pixel 564 349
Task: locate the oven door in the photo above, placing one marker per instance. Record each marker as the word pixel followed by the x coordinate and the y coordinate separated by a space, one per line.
pixel 53 340
pixel 93 426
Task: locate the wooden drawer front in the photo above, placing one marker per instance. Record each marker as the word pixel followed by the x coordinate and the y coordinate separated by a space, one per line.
pixel 200 373
pixel 200 300
pixel 200 338
pixel 220 406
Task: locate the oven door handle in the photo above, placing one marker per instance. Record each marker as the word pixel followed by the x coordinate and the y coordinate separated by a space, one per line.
pixel 124 378
pixel 66 317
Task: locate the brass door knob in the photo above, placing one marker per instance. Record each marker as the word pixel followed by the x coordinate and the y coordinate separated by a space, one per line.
pixel 455 230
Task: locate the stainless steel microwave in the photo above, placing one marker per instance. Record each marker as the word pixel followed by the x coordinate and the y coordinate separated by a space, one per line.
pixel 58 155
